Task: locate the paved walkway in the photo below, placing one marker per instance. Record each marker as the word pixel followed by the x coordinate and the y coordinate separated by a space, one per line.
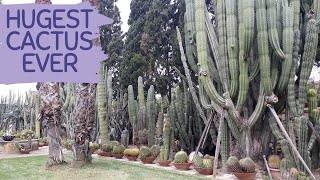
pixel 42 151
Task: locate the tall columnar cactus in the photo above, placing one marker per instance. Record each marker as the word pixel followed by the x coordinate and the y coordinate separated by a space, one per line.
pixel 132 111
pixel 151 110
pixel 37 114
pixel 102 106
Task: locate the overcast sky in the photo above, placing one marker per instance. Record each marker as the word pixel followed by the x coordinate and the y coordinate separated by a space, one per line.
pixel 124 6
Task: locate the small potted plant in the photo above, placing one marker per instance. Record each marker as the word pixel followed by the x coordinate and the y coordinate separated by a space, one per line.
pixel 67 144
pixel 25 148
pixel 117 151
pixel 94 147
pixel 145 155
pixel 107 148
pixel 203 166
pixel 243 169
pixel 131 154
pixel 8 137
pixel 164 157
pixel 181 161
pixel 274 164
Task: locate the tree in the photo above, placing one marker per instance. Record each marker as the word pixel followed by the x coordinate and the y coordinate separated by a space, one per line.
pixel 51 115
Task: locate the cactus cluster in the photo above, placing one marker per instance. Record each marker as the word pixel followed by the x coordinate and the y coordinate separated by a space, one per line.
pixel 131 152
pixel 108 147
pixel 245 165
pixel 274 161
pixel 144 152
pixel 142 114
pixel 155 150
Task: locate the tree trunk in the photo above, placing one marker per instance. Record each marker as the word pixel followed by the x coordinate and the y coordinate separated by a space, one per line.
pixel 84 118
pixel 51 115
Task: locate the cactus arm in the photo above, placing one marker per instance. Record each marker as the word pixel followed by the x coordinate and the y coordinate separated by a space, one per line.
pixel 150 115
pixel 291 84
pixel 248 23
pixel 274 70
pixel 232 45
pixel 255 71
pixel 243 64
pixel 272 28
pixel 222 63
pixel 132 111
pixel 263 47
pixel 189 31
pixel 141 100
pixel 287 45
pixel 302 140
pixel 308 58
pixel 296 14
pixel 259 109
pixel 188 77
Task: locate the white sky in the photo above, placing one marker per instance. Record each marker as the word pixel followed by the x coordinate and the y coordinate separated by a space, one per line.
pixel 124 6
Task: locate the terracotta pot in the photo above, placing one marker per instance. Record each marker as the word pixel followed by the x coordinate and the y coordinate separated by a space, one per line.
pixel 204 171
pixel 131 158
pixel 45 144
pixel 40 145
pixel 164 163
pixel 68 148
pixel 117 156
pixel 93 151
pixel 105 154
pixel 245 176
pixel 275 173
pixel 148 160
pixel 25 151
pixel 182 166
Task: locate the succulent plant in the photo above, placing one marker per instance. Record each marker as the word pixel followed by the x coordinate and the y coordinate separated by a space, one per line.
pixel 247 165
pixel 155 150
pixel 181 157
pixel 25 134
pixel 118 149
pixel 144 152
pixel 274 161
pixel 233 164
pixel 197 161
pixel 67 143
pixel 108 147
pixel 207 162
pixel 94 146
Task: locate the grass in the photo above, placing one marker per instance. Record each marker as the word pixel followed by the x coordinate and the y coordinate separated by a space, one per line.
pixel 34 168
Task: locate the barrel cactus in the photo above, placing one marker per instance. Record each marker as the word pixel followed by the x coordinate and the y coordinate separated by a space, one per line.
pixel 274 161
pixel 233 164
pixel 207 162
pixel 181 157
pixel 118 149
pixel 108 147
pixel 144 152
pixel 155 150
pixel 197 161
pixel 247 165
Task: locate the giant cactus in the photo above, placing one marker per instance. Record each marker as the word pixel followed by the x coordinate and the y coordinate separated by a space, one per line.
pixel 293 36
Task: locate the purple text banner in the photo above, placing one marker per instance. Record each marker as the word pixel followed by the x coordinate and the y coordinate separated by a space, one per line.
pixel 50 43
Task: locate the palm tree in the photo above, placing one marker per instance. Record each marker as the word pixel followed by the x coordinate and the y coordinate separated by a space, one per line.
pixel 51 115
pixel 84 116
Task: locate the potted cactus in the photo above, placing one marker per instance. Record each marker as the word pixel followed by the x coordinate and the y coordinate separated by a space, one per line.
pixel 243 169
pixel 67 144
pixel 274 165
pixel 131 154
pixel 145 155
pixel 107 148
pixel 181 161
pixel 8 137
pixel 94 147
pixel 117 151
pixel 163 158
pixel 203 166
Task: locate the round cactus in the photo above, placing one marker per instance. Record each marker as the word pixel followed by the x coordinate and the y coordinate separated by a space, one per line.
pixel 181 157
pixel 155 150
pixel 127 152
pixel 233 164
pixel 118 149
pixel 285 164
pixel 247 165
pixel 144 152
pixel 134 152
pixel 274 161
pixel 108 147
pixel 207 162
pixel 197 161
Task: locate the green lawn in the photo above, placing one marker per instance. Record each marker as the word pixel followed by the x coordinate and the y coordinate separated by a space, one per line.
pixel 107 169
